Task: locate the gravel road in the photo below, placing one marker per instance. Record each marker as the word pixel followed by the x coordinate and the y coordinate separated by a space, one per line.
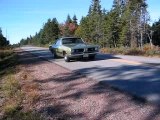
pixel 69 95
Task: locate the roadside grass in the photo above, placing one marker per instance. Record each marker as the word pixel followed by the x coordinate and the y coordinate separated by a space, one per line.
pixel 146 51
pixel 5 53
pixel 46 45
pixel 14 91
pixel 30 89
pixel 12 94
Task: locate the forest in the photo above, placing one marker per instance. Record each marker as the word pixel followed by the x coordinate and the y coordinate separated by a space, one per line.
pixel 125 25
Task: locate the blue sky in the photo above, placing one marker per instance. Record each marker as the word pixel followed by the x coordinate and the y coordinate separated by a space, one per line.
pixel 22 18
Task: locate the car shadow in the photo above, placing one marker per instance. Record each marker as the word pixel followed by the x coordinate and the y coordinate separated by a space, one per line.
pixel 98 57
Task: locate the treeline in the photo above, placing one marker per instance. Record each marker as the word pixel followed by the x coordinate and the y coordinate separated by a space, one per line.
pixel 3 40
pixel 126 24
pixel 51 31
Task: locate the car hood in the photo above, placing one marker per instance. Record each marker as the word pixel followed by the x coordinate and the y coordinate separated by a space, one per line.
pixel 78 46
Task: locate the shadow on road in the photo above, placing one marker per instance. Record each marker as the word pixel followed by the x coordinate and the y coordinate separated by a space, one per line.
pixel 88 97
pixel 140 80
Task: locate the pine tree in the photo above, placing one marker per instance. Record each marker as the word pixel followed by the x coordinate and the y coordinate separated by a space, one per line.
pixel 50 31
pixel 95 21
pixel 75 20
pixel 136 19
pixel 155 32
pixel 83 29
pixel 133 19
pixel 3 41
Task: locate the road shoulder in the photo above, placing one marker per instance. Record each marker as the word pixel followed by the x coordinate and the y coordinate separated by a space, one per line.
pixel 68 95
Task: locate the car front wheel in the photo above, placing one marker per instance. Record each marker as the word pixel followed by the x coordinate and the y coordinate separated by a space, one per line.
pixel 92 57
pixel 66 58
pixel 53 54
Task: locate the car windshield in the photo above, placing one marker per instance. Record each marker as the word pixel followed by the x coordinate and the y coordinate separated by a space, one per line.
pixel 72 40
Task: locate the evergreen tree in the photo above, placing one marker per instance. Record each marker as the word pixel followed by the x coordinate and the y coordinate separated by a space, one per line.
pixel 3 41
pixel 68 20
pixel 95 7
pixel 155 32
pixel 132 19
pixel 136 17
pixel 95 21
pixel 50 31
pixel 75 20
pixel 69 27
pixel 83 29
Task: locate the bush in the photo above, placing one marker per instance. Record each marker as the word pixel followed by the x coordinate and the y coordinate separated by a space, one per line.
pixel 120 50
pixel 134 51
pixel 147 51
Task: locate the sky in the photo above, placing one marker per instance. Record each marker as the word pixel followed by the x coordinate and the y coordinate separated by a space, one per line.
pixel 22 18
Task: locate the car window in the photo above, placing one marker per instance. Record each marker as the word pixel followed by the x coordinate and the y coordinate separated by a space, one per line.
pixel 58 43
pixel 72 40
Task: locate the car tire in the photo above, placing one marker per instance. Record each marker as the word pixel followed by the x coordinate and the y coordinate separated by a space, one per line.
pixel 92 57
pixel 66 58
pixel 53 54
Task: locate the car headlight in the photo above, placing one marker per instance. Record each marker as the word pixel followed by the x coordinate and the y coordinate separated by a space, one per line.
pixel 96 48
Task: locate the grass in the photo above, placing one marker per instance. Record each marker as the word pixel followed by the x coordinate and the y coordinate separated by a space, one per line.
pixel 13 92
pixel 7 60
pixel 30 88
pixel 146 51
pixel 11 86
pixel 5 53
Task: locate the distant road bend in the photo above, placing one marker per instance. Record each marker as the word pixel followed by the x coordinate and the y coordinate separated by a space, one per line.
pixel 136 75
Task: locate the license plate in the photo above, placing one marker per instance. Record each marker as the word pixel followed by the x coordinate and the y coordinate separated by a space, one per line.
pixel 85 55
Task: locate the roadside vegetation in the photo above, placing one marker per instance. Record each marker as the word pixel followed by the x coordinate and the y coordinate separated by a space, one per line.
pixel 15 91
pixel 145 51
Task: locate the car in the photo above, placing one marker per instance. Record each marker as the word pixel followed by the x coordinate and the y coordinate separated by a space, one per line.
pixel 73 48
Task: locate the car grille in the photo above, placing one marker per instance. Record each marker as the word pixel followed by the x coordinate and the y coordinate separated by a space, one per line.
pixel 78 50
pixel 91 50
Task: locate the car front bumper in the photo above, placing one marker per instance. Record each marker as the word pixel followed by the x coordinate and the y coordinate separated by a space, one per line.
pixel 82 55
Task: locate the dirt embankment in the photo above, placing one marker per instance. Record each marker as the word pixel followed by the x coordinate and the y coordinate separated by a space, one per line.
pixel 62 94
